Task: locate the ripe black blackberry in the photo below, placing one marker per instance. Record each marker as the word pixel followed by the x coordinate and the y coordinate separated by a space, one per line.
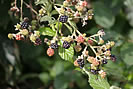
pixel 25 25
pixel 66 44
pixel 54 45
pixel 104 61
pixel 38 41
pixel 94 71
pixel 112 57
pixel 63 18
pixel 81 63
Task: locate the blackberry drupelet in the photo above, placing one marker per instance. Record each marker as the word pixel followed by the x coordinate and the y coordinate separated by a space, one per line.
pixel 104 61
pixel 38 41
pixel 54 45
pixel 66 44
pixel 81 63
pixel 25 25
pixel 63 18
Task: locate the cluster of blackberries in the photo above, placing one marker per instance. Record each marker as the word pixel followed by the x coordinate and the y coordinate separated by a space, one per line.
pixel 66 44
pixel 54 45
pixel 38 41
pixel 81 63
pixel 25 25
pixel 63 18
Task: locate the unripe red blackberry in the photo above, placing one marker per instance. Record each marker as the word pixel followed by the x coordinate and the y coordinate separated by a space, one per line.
pixel 50 52
pixel 90 42
pixel 63 18
pixel 54 45
pixel 38 41
pixel 81 63
pixel 80 39
pixel 84 3
pixel 18 37
pixel 66 44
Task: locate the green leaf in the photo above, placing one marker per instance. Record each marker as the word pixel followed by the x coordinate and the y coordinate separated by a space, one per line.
pixel 66 54
pixel 69 28
pixel 103 15
pixel 47 31
pixel 73 24
pixel 57 69
pixel 58 25
pixel 129 10
pixel 127 53
pixel 54 12
pixel 41 2
pixel 78 69
pixel 47 18
pixel 61 82
pixel 130 35
pixel 114 87
pixel 114 5
pixel 44 77
pixel 97 82
pixel 49 7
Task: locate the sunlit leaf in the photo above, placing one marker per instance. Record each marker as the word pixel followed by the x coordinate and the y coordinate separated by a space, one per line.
pixel 47 31
pixel 97 82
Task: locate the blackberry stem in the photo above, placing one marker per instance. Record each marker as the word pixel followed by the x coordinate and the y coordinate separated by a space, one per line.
pixel 21 8
pixel 15 3
pixel 87 72
pixel 30 8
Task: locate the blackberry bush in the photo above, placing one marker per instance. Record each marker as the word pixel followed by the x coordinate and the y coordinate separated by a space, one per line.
pixel 92 49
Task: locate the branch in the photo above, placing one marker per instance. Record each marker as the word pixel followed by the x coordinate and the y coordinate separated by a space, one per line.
pixel 30 7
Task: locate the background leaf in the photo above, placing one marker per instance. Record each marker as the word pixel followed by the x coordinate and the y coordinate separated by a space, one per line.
pixel 103 15
pixel 129 10
pixel 127 53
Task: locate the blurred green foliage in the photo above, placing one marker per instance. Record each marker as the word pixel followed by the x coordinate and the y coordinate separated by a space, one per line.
pixel 25 66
